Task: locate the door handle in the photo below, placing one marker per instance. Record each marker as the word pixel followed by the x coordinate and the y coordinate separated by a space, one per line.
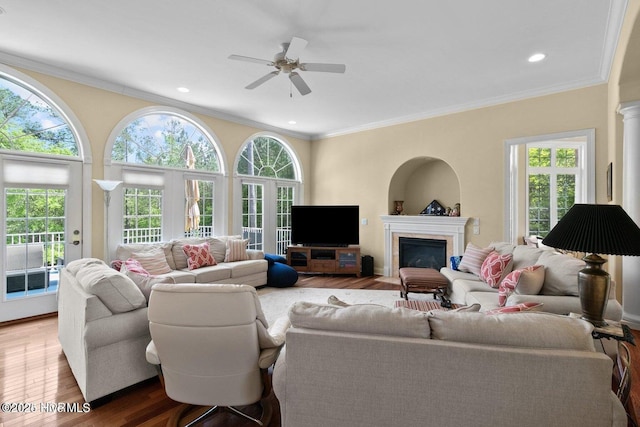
pixel 76 237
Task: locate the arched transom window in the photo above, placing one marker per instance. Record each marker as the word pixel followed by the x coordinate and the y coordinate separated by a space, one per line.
pixel 267 157
pixel 162 140
pixel 30 123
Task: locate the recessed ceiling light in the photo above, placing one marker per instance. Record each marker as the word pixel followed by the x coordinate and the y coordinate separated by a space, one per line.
pixel 183 89
pixel 537 57
pixel 292 122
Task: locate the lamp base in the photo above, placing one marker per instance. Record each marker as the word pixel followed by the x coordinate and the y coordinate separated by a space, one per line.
pixel 594 284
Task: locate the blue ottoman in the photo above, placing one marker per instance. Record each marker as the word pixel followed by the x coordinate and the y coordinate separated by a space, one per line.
pixel 279 274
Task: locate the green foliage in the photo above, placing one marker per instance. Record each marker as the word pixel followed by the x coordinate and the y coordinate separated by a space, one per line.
pixel 36 215
pixel 29 124
pixel 540 191
pixel 161 140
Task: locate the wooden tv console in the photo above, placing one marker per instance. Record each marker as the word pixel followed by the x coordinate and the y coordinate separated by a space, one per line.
pixel 323 259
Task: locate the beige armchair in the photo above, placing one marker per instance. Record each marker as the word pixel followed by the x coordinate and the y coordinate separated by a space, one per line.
pixel 212 344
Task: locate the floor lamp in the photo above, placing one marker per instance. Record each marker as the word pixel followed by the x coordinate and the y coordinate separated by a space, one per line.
pixel 107 187
pixel 595 229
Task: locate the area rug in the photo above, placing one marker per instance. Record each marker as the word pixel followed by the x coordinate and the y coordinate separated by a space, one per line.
pixel 276 301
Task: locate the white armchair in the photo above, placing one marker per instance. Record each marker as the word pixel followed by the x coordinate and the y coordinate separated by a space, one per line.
pixel 212 344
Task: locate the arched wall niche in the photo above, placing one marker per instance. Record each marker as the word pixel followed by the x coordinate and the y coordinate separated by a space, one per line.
pixel 419 181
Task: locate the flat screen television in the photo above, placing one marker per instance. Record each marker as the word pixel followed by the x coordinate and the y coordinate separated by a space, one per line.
pixel 336 225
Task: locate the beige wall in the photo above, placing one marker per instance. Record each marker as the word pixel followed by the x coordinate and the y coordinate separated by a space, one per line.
pixel 624 86
pixel 100 110
pixel 359 168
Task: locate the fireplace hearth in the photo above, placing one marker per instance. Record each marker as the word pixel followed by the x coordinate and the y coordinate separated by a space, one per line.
pixel 422 253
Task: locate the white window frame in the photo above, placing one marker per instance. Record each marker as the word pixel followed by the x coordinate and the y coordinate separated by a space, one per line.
pixel 515 166
pixel 169 180
pixel 270 186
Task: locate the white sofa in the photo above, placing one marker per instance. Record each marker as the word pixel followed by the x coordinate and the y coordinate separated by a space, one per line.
pixel 102 313
pixel 252 271
pixel 102 327
pixel 372 366
pixel 559 293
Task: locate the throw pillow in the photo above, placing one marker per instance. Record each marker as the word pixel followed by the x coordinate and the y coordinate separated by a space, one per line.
pixel 526 281
pixel 473 258
pixel 236 250
pixel 141 278
pixel 154 261
pixel 116 264
pixel 134 266
pixel 198 255
pixel 525 306
pixel 495 267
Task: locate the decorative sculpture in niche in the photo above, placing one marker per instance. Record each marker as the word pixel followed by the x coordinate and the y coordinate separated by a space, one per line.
pixel 456 210
pixel 398 207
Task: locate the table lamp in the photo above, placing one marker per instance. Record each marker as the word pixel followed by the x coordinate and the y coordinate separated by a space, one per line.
pixel 595 229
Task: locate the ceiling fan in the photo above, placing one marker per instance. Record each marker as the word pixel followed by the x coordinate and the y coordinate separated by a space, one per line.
pixel 287 61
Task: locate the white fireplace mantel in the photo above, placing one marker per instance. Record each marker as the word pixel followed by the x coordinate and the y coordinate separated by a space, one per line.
pixel 450 227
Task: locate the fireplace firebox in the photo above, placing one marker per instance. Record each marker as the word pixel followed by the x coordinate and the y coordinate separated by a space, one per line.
pixel 422 253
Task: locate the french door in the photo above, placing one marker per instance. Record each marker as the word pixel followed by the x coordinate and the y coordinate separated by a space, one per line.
pixel 266 214
pixel 42 230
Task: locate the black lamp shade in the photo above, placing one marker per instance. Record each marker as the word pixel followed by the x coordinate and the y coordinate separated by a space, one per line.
pixel 597 229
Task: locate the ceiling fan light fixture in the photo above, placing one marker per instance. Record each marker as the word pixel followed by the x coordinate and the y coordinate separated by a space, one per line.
pixel 287 62
pixel 183 89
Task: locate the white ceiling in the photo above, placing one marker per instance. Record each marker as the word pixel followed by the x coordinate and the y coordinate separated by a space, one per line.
pixel 406 59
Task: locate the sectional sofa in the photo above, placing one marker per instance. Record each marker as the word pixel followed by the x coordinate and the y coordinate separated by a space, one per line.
pixel 247 267
pixel 557 290
pixel 369 365
pixel 102 312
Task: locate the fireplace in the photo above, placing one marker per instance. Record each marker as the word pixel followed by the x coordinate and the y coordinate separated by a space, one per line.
pixel 422 253
pixel 449 229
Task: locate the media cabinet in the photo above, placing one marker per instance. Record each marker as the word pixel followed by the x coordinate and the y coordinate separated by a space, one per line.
pixel 323 259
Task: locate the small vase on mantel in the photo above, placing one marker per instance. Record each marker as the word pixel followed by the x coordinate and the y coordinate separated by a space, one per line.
pixel 398 207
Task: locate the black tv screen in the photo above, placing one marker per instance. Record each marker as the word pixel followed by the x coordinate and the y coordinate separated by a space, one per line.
pixel 336 225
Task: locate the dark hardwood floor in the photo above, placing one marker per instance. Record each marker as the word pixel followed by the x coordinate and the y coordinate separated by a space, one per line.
pixel 33 369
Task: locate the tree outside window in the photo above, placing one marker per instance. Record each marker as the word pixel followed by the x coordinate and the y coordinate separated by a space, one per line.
pixel 552 178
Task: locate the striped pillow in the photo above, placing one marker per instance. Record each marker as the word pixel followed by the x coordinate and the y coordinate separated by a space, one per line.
pixel 473 258
pixel 154 261
pixel 236 250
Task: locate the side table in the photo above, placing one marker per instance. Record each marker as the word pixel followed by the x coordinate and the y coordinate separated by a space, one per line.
pixel 612 330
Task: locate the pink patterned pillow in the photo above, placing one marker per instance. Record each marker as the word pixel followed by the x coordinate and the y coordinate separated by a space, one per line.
pixel 198 255
pixel 526 281
pixel 134 266
pixel 473 258
pixel 524 306
pixel 495 267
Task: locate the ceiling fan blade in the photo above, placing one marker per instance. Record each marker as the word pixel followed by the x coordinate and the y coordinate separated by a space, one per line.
pixel 299 84
pixel 296 46
pixel 250 59
pixel 326 68
pixel 262 80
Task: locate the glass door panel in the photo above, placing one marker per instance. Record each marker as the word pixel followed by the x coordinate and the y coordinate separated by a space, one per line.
pixel 35 240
